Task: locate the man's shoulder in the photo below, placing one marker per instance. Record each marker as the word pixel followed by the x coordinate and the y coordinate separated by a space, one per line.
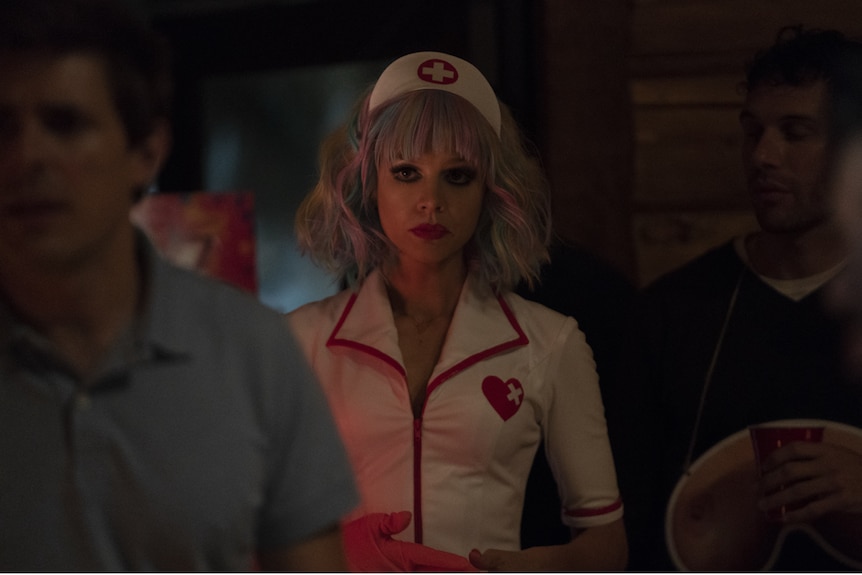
pixel 191 302
pixel 711 270
pixel 198 289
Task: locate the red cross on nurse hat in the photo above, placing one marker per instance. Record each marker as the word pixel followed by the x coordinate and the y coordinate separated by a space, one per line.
pixel 437 71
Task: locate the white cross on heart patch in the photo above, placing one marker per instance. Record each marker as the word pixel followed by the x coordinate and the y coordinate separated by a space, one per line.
pixel 505 397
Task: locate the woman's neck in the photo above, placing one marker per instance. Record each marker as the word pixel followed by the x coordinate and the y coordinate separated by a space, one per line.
pixel 424 293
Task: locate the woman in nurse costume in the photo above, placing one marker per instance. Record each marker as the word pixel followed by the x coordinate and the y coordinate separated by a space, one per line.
pixel 430 209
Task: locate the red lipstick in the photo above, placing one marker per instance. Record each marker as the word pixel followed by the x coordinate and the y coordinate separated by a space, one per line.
pixel 430 231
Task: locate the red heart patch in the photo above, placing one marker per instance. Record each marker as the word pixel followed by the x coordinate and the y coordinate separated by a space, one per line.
pixel 505 397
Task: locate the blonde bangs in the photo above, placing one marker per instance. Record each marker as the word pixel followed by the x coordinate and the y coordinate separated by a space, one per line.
pixel 432 121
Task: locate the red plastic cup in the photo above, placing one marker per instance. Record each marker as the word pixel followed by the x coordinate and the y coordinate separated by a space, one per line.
pixel 767 437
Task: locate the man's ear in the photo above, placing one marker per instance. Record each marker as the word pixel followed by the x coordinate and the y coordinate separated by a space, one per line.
pixel 152 153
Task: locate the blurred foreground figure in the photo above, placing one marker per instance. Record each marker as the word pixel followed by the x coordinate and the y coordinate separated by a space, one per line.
pixel 150 419
pixel 846 155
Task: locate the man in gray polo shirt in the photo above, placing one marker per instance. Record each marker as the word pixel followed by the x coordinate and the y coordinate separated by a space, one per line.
pixel 150 419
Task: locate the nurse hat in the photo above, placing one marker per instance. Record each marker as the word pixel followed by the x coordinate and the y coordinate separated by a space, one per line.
pixel 437 71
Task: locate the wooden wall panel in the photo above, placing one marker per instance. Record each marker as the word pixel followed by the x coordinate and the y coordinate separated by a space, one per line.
pixel 586 124
pixel 694 89
pixel 688 157
pixel 679 36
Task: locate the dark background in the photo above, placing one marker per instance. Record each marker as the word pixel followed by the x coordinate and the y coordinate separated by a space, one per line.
pixel 216 39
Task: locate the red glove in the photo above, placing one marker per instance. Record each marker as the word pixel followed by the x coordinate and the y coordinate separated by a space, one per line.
pixel 370 547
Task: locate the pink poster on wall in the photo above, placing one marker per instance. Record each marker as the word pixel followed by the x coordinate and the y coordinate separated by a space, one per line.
pixel 205 231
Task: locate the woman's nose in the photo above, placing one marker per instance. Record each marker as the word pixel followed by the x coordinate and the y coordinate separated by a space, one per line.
pixel 430 199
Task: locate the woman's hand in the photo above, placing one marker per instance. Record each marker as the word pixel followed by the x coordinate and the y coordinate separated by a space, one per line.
pixel 602 548
pixel 370 547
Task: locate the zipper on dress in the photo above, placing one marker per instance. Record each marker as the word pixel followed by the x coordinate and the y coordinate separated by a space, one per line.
pixel 417 479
